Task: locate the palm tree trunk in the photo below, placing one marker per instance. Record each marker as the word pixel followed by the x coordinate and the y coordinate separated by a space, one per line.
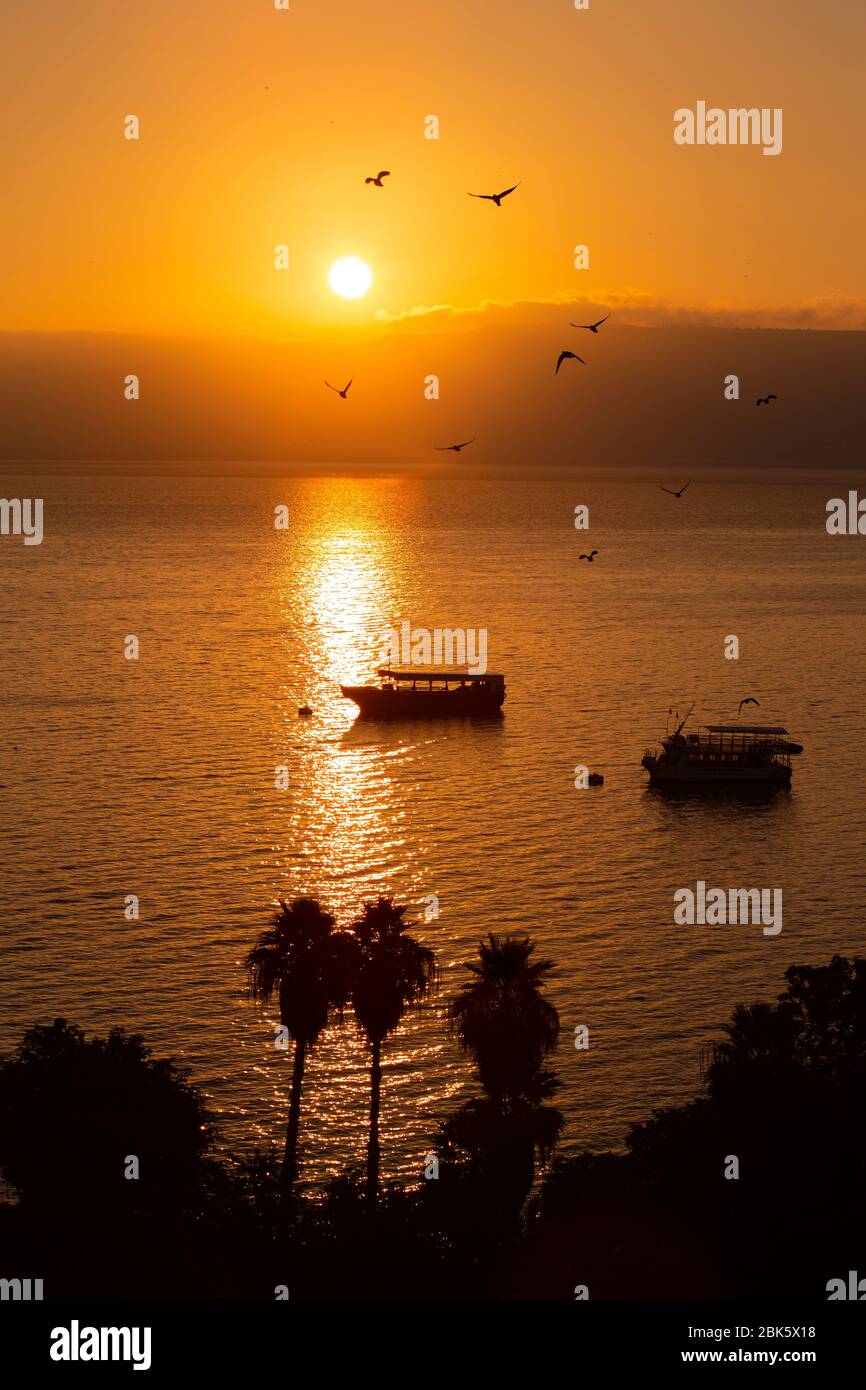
pixel 373 1143
pixel 290 1158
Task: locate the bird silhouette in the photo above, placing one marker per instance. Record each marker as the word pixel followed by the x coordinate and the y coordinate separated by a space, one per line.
pixel 444 448
pixel 748 701
pixel 671 492
pixel 382 174
pixel 593 327
pixel 765 400
pixel 563 357
pixel 497 197
pixel 590 557
pixel 344 390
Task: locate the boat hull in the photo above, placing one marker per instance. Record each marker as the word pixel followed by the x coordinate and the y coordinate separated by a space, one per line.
pixel 470 702
pixel 772 777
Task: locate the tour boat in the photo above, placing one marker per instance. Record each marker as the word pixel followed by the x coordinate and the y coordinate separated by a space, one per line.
pixel 744 757
pixel 417 694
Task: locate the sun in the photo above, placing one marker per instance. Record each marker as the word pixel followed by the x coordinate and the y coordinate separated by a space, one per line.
pixel 350 277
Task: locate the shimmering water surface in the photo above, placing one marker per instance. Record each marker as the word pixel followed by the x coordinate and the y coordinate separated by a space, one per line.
pixel 156 777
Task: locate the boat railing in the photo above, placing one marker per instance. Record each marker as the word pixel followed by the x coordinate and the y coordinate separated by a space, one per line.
pixel 739 753
pixel 450 682
pixel 735 743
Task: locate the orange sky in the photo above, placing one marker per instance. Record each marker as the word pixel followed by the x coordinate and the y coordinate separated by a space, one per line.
pixel 258 127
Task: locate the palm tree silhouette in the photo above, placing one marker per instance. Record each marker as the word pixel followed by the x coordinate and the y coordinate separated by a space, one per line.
pixel 394 973
pixel 310 967
pixel 502 1019
pixel 502 1140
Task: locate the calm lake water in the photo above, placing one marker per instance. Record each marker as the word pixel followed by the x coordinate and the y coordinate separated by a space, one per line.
pixel 156 777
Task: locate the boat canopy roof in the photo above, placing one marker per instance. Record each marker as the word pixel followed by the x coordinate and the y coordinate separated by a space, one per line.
pixel 419 673
pixel 745 729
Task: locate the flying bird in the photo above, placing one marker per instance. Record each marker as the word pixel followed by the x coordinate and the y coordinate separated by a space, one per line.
pixel 671 491
pixel 444 448
pixel 382 174
pixel 590 557
pixel 765 400
pixel 593 327
pixel 344 390
pixel 497 197
pixel 748 701
pixel 563 357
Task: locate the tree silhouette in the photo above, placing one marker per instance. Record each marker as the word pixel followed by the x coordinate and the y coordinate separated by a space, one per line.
pixel 394 973
pixel 501 1017
pixel 309 967
pixel 74 1109
pixel 784 1093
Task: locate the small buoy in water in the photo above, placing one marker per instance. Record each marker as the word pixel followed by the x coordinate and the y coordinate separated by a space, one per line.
pixel 304 711
pixel 595 779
